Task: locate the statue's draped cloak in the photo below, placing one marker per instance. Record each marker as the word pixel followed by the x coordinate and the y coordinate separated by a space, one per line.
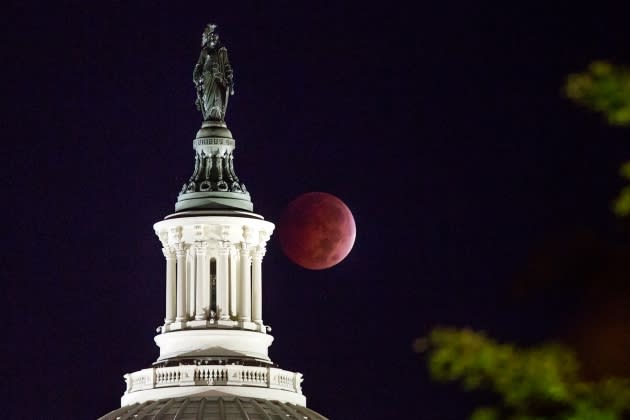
pixel 212 94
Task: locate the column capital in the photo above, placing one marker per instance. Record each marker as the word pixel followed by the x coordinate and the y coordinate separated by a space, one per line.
pixel 181 248
pixel 258 253
pixel 244 248
pixel 224 248
pixel 168 252
pixel 201 247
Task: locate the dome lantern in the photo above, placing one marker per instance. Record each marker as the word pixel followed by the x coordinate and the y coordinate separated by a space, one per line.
pixel 213 361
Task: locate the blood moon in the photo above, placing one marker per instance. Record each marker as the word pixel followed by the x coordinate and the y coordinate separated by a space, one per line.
pixel 316 230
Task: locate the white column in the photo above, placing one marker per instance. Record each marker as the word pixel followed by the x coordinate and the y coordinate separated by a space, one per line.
pixel 201 280
pixel 257 256
pixel 170 285
pixel 182 314
pixel 223 292
pixel 245 292
pixel 233 282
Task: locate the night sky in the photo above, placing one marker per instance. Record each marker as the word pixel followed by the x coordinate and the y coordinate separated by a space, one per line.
pixel 481 195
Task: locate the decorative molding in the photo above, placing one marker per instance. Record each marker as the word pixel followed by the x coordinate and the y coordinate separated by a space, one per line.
pixel 225 232
pixel 263 236
pixel 201 232
pixel 214 141
pixel 163 237
pixel 247 233
pixel 175 234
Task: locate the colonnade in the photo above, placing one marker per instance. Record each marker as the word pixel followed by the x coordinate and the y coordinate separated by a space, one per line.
pixel 213 280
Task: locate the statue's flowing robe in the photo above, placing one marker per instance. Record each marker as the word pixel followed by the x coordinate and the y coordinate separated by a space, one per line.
pixel 213 93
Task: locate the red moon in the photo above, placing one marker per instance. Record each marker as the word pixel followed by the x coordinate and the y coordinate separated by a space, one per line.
pixel 316 230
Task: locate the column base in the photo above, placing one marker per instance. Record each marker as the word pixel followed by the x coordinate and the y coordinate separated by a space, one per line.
pixel 214 324
pixel 227 323
pixel 177 325
pixel 248 325
pixel 197 323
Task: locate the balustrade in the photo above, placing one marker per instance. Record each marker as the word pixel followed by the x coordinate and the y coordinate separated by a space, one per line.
pixel 213 375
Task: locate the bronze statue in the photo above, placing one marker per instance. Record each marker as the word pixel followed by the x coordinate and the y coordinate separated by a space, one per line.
pixel 213 77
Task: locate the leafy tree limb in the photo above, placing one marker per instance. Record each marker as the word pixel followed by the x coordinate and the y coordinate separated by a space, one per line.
pixel 605 88
pixel 538 383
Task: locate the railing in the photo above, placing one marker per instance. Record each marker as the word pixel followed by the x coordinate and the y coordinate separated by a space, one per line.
pixel 213 375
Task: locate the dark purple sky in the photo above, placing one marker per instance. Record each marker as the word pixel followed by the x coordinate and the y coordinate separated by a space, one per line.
pixel 443 127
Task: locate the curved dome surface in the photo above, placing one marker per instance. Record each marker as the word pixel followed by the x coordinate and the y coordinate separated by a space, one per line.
pixel 213 408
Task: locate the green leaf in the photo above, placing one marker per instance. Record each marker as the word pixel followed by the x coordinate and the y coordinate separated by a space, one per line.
pixel 485 413
pixel 604 88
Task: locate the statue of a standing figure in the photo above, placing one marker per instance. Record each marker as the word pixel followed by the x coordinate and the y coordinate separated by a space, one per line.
pixel 213 77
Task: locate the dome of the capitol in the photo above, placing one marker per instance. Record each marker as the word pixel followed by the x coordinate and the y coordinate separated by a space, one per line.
pixel 213 361
pixel 213 408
